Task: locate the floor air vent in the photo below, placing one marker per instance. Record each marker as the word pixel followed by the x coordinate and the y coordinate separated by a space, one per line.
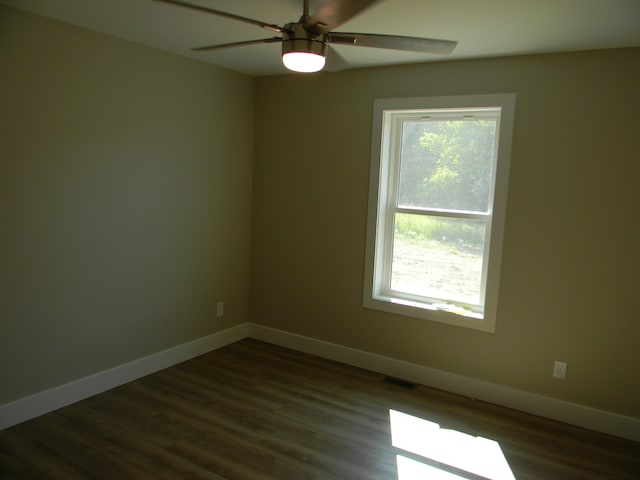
pixel 399 383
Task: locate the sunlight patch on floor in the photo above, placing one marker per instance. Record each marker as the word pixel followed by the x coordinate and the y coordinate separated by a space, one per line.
pixel 409 469
pixel 457 452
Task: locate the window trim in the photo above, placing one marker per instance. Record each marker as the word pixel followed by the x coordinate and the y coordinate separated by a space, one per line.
pixel 373 296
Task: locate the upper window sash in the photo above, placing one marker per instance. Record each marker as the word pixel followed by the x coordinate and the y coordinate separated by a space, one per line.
pixel 391 149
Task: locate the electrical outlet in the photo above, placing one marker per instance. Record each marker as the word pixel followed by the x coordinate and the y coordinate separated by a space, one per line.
pixel 560 370
pixel 220 309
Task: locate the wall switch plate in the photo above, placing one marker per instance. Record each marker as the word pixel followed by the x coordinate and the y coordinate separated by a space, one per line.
pixel 220 309
pixel 560 370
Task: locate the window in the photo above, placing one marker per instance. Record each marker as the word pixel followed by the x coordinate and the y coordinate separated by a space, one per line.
pixel 439 174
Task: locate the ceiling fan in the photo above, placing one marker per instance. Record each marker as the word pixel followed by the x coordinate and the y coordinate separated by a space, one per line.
pixel 304 43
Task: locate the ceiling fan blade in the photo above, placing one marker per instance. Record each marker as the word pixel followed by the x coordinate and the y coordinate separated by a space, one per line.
pixel 258 23
pixel 333 13
pixel 237 44
pixel 393 42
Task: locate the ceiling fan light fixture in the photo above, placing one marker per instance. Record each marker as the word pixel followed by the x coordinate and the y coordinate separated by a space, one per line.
pixel 301 53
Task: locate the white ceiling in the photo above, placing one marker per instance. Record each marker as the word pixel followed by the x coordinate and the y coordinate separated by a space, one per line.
pixel 483 28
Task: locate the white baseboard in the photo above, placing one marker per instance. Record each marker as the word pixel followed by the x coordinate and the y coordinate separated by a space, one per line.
pixel 575 414
pixel 580 415
pixel 63 395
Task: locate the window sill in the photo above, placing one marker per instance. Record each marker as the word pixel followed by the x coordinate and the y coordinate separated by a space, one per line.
pixel 441 312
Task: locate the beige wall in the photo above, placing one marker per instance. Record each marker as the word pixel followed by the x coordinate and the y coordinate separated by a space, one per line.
pixel 125 196
pixel 569 283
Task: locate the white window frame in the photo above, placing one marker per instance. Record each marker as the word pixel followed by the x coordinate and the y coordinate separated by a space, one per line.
pixel 382 205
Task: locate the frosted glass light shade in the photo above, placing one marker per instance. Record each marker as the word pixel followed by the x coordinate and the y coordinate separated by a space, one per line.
pixel 306 62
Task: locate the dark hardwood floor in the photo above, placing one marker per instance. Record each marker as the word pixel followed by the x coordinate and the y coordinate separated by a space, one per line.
pixel 257 411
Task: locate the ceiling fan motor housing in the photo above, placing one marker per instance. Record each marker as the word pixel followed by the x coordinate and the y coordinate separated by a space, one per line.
pixel 297 39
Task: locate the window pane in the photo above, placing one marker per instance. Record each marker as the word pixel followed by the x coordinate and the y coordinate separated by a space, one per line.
pixel 447 164
pixel 438 257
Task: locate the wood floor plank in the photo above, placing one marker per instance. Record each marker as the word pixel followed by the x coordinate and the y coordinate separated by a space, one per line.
pixel 256 411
